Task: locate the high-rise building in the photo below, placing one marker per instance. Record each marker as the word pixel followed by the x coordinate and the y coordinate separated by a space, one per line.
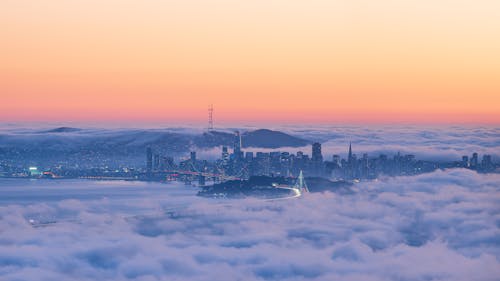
pixel 156 162
pixel 225 158
pixel 193 157
pixel 263 164
pixel 285 164
pixel 248 156
pixel 149 159
pixel 465 161
pixel 275 158
pixel 351 166
pixel 317 160
pixel 474 161
pixel 336 159
pixel 364 165
pixel 316 152
pixel 349 155
pixel 168 163
pixel 237 141
pixel 487 164
pixel 237 146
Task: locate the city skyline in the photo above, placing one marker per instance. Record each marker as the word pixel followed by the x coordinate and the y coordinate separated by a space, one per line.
pixel 257 62
pixel 265 156
pixel 242 164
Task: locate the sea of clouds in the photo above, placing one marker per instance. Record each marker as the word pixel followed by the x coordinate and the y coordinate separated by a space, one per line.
pixel 443 225
pixel 448 143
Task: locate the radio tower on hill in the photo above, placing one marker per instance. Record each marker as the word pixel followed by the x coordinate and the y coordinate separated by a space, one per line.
pixel 211 118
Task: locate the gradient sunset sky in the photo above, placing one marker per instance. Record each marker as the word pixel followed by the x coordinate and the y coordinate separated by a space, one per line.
pixel 317 61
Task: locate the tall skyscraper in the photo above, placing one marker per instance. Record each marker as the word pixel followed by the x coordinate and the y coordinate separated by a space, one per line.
pixel 149 159
pixel 349 155
pixel 237 142
pixel 156 162
pixel 225 155
pixel 238 155
pixel 316 152
pixel 487 164
pixel 474 161
pixel 168 163
pixel 350 169
pixel 317 160
pixel 336 160
pixel 465 161
pixel 248 156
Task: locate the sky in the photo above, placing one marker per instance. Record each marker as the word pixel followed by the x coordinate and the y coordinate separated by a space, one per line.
pixel 259 61
pixel 436 226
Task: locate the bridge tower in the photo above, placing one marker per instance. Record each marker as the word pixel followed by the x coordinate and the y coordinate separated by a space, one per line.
pixel 201 180
pixel 301 183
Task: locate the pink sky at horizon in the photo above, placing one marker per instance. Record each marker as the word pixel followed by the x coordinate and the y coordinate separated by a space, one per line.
pixel 432 62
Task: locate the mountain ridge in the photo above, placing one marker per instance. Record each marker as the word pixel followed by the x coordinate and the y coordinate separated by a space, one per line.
pixel 90 144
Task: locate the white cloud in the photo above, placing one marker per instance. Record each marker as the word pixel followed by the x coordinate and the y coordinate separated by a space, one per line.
pixel 438 226
pixel 427 142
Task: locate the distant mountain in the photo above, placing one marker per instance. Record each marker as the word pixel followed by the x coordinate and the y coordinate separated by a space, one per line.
pixel 62 130
pixel 271 139
pixel 214 139
pixel 262 138
pixel 77 145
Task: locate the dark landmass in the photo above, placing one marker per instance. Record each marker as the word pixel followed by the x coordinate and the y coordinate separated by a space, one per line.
pixel 262 138
pixel 214 139
pixel 271 139
pixel 262 186
pixel 62 130
pixel 89 147
pixel 322 185
pixel 256 186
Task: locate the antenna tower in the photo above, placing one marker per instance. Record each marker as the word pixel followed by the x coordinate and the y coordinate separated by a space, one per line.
pixel 211 118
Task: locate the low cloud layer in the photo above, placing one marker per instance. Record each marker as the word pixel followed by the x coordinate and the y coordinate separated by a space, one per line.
pixel 430 143
pixel 439 226
pixel 447 143
pixel 426 142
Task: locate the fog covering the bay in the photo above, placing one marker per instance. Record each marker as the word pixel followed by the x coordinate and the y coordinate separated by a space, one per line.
pixel 443 225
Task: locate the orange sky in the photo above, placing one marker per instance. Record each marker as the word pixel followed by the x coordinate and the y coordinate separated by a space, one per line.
pixel 425 61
